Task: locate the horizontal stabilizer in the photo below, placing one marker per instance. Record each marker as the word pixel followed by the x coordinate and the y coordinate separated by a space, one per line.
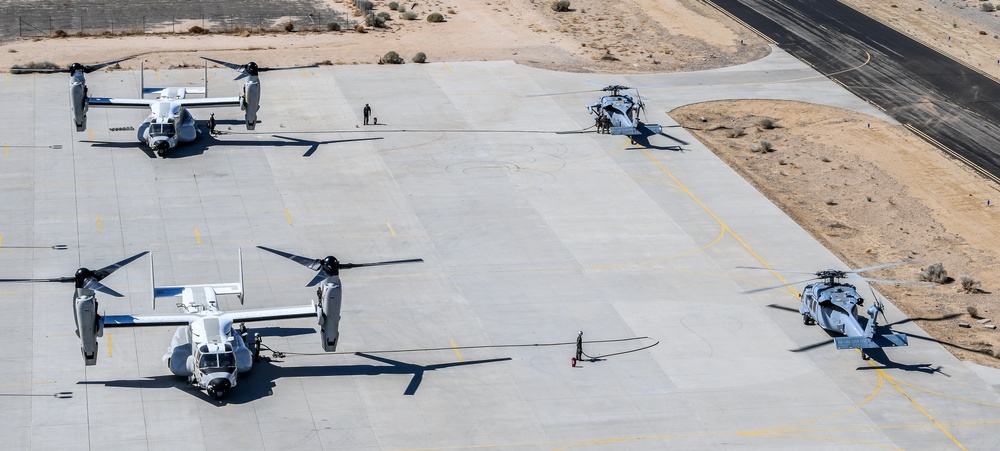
pixel 880 341
pixel 628 131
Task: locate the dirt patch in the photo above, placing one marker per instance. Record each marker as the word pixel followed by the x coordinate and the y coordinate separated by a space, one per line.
pixel 872 193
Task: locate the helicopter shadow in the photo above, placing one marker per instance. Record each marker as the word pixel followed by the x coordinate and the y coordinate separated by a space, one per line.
pixel 642 139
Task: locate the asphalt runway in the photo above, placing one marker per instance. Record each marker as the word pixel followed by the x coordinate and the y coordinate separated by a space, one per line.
pixel 529 236
pixel 951 105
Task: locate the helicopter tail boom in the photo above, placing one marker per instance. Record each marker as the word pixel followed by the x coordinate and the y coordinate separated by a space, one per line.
pixel 878 341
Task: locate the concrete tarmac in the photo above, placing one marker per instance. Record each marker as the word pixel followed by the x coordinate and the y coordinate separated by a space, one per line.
pixel 529 236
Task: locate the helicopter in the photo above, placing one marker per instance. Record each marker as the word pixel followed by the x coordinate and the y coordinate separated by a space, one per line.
pixel 206 348
pixel 833 305
pixel 169 122
pixel 618 113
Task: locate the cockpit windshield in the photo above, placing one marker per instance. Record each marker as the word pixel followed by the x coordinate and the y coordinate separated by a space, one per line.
pixel 223 362
pixel 161 129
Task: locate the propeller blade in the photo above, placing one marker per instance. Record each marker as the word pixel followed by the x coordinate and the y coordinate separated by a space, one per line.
pixel 562 93
pixel 233 66
pixel 95 67
pixel 310 263
pixel 319 277
pixel 392 262
pixel 55 279
pixel 107 270
pixel 265 69
pixel 886 265
pixel 97 286
pixel 757 290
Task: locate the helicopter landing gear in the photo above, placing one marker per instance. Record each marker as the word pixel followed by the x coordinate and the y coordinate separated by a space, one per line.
pixel 865 356
pixel 807 320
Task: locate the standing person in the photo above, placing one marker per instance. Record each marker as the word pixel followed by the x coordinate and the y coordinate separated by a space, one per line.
pixel 211 124
pixel 367 112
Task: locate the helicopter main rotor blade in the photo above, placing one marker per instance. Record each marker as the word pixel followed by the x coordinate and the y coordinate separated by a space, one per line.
pixel 872 268
pixel 812 346
pixel 757 290
pixel 899 282
pixel 787 271
pixel 782 307
pixel 562 93
pixel 310 263
pixel 107 270
pixel 391 262
pixel 96 67
pixel 232 66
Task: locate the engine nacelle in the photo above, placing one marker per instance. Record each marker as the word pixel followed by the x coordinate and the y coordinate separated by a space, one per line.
pixel 89 325
pixel 79 101
pixel 251 101
pixel 178 356
pixel 329 320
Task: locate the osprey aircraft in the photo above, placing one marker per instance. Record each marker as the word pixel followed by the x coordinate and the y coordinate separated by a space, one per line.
pixel 169 122
pixel 207 348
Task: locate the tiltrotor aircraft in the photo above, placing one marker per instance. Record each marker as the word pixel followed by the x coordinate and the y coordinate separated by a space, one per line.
pixel 206 349
pixel 618 113
pixel 833 305
pixel 169 122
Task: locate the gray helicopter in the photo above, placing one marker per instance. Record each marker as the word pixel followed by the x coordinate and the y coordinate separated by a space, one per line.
pixel 618 113
pixel 833 305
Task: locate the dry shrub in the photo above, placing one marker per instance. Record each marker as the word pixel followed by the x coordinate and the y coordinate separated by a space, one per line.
pixel 934 273
pixel 969 284
pixel 736 132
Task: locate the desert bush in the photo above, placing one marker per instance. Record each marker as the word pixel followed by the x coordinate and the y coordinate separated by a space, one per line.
pixel 420 58
pixel 392 58
pixel 393 5
pixel 197 30
pixel 435 17
pixel 736 132
pixel 409 15
pixel 969 284
pixel 35 65
pixel 373 20
pixel 401 8
pixel 766 123
pixel 385 15
pixel 333 26
pixel 973 312
pixel 58 34
pixel 359 28
pixel 364 5
pixel 452 11
pixel 560 5
pixel 289 26
pixel 935 273
pixel 987 7
pixel 762 146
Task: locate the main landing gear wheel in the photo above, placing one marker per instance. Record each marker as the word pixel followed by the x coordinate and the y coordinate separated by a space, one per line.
pixel 865 356
pixel 807 320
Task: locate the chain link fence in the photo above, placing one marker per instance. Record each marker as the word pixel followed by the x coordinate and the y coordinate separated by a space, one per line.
pixel 28 19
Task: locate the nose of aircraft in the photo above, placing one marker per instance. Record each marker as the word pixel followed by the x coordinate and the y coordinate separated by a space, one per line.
pixel 218 387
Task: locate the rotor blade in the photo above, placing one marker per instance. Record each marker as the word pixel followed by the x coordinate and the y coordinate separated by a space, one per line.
pixel 900 282
pixel 319 277
pixel 872 268
pixel 39 70
pixel 55 279
pixel 562 93
pixel 97 286
pixel 107 270
pixel 233 66
pixel 909 320
pixel 392 262
pixel 89 69
pixel 948 343
pixel 265 69
pixel 788 271
pixel 310 263
pixel 757 290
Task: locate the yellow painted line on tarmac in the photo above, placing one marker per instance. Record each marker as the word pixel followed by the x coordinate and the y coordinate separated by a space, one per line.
pixel 459 354
pixel 98 223
pixel 91 134
pixel 921 409
pixel 157 75
pixel 391 230
pixel 109 344
pixel 289 217
pixel 5 148
pixel 1 240
pixel 197 237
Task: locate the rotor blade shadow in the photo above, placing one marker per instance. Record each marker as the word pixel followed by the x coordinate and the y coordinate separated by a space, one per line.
pixel 879 355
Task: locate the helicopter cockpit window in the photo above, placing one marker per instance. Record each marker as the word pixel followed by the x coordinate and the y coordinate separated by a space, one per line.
pixel 161 129
pixel 224 362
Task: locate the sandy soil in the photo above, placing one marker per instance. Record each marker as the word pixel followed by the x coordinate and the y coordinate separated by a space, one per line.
pixel 892 198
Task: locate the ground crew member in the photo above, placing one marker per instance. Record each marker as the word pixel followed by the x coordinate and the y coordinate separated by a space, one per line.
pixel 367 112
pixel 211 124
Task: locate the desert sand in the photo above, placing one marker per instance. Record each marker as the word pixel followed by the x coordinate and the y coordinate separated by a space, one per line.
pixel 881 197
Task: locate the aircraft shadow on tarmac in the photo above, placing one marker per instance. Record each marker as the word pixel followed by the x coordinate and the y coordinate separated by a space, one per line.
pixel 260 381
pixel 643 140
pixel 206 140
pixel 878 354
